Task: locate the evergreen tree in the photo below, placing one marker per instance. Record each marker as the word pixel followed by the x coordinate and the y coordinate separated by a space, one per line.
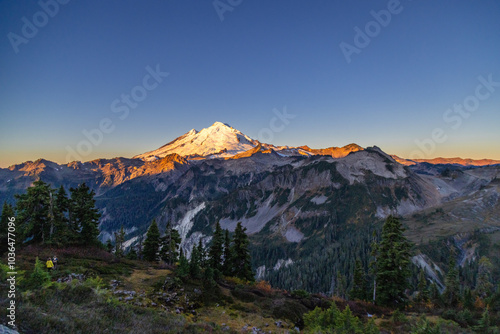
pixel 485 322
pixel 484 286
pixel 216 252
pixel 33 220
pixel 183 267
pixel 39 276
pixel 139 246
pixel 152 243
pixel 194 264
pixel 109 246
pixel 61 211
pixel 451 294
pixel 132 254
pixel 434 294
pixel 7 212
pixel 393 259
pixel 359 282
pixel 341 286
pixel 208 279
pixel 226 267
pixel 240 256
pixel 203 254
pixel 468 301
pixel 422 287
pixel 169 244
pixel 119 240
pixel 84 215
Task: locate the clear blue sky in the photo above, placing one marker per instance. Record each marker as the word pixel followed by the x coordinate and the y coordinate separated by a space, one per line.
pixel 263 55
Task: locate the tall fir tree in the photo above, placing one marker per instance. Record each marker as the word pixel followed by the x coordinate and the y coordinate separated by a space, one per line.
pixel 484 285
pixel 359 287
pixel 152 243
pixel 451 294
pixel 62 233
pixel 33 212
pixel 423 294
pixel 434 295
pixel 119 240
pixel 240 255
pixel 393 259
pixel 84 214
pixel 216 252
pixel 203 254
pixel 169 245
pixel 183 267
pixel 194 263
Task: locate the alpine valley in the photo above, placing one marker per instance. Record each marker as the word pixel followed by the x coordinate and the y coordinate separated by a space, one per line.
pixel 309 213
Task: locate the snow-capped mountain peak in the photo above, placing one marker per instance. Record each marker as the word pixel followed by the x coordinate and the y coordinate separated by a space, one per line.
pixel 219 140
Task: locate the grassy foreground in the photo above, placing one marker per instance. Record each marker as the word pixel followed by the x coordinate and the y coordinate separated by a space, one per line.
pixel 94 292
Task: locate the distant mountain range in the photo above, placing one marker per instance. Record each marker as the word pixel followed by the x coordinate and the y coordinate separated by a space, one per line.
pixel 298 204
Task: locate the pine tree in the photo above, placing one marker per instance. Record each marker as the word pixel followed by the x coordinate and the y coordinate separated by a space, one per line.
pixel 109 246
pixel 393 259
pixel 194 264
pixel 33 212
pixel 485 322
pixel 7 212
pixel 468 301
pixel 484 286
pixel 359 282
pixel 434 294
pixel 84 215
pixel 169 245
pixel 226 267
pixel 183 267
pixel 119 240
pixel 451 294
pixel 422 287
pixel 39 276
pixel 216 252
pixel 132 254
pixel 152 243
pixel 208 279
pixel 341 286
pixel 203 254
pixel 240 256
pixel 61 211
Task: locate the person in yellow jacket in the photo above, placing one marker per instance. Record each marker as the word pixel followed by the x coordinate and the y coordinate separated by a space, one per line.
pixel 50 264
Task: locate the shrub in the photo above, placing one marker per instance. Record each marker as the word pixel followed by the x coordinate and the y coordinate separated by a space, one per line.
pixel 39 277
pixel 399 317
pixel 264 286
pixel 300 294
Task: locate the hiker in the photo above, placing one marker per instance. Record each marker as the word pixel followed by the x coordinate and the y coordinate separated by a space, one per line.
pixel 54 261
pixel 50 264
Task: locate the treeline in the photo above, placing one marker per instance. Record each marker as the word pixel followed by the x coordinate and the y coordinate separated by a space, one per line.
pixel 226 256
pixel 49 216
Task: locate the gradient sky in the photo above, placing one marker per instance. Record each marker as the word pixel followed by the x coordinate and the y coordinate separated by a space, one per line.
pixel 263 55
